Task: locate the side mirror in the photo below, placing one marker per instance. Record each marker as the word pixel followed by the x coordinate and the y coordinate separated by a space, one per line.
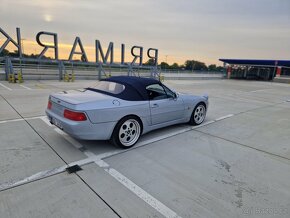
pixel 175 96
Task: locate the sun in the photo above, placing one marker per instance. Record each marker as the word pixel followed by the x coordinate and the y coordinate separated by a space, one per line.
pixel 47 17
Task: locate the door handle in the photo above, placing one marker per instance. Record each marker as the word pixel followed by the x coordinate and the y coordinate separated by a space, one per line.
pixel 154 105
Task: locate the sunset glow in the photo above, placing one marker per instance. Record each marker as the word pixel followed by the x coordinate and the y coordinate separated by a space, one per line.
pixel 203 30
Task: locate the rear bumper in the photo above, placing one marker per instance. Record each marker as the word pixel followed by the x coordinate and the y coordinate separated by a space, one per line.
pixel 83 129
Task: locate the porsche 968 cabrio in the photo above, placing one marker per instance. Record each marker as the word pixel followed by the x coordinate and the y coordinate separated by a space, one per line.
pixel 122 108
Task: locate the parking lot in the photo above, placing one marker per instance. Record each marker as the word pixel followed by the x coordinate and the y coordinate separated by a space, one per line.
pixel 236 164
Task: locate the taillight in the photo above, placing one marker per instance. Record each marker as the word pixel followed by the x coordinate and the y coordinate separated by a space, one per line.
pixel 76 116
pixel 49 105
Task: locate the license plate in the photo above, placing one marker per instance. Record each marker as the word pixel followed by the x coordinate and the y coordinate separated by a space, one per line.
pixel 56 122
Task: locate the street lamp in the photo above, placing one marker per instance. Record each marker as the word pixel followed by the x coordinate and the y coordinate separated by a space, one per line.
pixel 192 65
pixel 22 46
pixel 20 59
pixel 165 61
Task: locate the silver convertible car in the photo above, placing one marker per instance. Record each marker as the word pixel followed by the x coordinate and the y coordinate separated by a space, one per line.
pixel 122 108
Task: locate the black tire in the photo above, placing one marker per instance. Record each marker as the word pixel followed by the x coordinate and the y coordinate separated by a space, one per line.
pixel 198 114
pixel 127 132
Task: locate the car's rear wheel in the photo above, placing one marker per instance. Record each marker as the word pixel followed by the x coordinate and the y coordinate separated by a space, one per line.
pixel 127 132
pixel 198 114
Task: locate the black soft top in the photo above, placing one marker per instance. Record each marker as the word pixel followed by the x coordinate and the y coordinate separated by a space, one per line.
pixel 135 87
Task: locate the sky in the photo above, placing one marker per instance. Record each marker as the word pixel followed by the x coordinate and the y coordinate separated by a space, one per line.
pixel 203 30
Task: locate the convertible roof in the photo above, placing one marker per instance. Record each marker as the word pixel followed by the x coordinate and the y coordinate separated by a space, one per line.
pixel 135 87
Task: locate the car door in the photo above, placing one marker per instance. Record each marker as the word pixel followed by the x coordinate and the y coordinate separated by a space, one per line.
pixel 165 106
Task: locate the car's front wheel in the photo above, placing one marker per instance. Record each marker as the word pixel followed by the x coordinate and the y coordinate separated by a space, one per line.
pixel 198 114
pixel 127 132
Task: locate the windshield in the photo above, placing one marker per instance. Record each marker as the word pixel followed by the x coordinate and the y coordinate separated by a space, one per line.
pixel 110 87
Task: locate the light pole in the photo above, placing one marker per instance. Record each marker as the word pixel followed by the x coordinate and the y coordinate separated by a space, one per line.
pixel 20 58
pixel 192 65
pixel 22 45
pixel 165 61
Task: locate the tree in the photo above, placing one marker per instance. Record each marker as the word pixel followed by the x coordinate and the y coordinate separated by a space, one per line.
pixel 182 67
pixel 4 53
pixel 164 65
pixel 174 66
pixel 194 65
pixel 150 62
pixel 15 53
pixel 212 67
pixel 220 69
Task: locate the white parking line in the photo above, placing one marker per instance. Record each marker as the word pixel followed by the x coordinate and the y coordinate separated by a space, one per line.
pixel 43 174
pixel 153 202
pixel 5 87
pixel 76 144
pixel 260 90
pixel 138 191
pixel 9 121
pixel 45 119
pixel 168 135
pixel 34 118
pixel 21 119
pixel 204 124
pixel 47 173
pixel 224 117
pixel 32 178
pixel 149 199
pixel 25 87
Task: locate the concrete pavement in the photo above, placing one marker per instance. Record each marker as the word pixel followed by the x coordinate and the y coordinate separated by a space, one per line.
pixel 236 165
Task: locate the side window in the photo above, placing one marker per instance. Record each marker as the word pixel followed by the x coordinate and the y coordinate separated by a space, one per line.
pixel 169 93
pixel 156 92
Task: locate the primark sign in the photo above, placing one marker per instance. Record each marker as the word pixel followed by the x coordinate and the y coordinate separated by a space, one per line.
pixel 105 57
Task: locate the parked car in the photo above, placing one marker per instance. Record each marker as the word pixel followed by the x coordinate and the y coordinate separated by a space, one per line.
pixel 122 108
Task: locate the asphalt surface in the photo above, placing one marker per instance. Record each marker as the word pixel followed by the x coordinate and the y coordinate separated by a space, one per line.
pixel 236 164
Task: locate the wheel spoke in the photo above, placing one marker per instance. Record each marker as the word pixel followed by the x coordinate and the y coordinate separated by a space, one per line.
pixel 199 114
pixel 129 132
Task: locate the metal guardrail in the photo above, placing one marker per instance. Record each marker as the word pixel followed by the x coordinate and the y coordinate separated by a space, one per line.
pixel 56 69
pixel 177 71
